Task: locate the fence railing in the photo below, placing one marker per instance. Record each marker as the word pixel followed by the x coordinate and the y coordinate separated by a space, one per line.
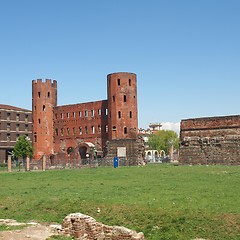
pixel 45 164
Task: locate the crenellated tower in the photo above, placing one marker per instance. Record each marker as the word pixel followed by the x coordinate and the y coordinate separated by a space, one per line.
pixel 44 99
pixel 122 106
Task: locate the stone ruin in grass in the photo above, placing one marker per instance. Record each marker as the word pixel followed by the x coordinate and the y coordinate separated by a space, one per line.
pixel 84 227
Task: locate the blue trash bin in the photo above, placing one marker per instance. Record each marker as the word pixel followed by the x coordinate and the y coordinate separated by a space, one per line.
pixel 115 162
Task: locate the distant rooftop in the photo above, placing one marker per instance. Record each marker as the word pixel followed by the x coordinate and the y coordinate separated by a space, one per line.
pixel 8 107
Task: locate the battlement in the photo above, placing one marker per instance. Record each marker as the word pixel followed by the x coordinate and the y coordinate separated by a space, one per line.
pixel 47 81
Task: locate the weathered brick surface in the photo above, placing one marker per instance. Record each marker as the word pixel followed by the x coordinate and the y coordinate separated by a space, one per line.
pixel 213 140
pixel 44 99
pixel 85 227
pixel 122 102
pixel 134 148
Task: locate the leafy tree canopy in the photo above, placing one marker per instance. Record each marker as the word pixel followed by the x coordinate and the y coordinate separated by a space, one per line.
pixel 161 140
pixel 23 147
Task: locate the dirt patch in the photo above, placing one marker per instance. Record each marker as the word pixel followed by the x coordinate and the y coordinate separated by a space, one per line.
pixel 32 231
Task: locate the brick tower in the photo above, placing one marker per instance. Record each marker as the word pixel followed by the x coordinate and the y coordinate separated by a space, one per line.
pixel 44 99
pixel 122 106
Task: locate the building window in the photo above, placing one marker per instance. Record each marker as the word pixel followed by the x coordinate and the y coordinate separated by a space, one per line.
pixel 119 114
pixel 44 108
pixel 124 98
pixel 56 116
pixel 26 117
pixel 17 117
pixel 118 82
pixel 86 130
pixel 92 111
pixel 26 127
pixel 113 98
pixel 8 126
pixel 68 131
pixel 93 129
pixel 17 127
pixel 74 114
pixel 106 128
pixel 129 82
pixel 125 130
pixel 130 114
pixel 48 94
pixel 39 121
pixel 56 132
pixel 8 137
pixel 99 128
pixel 35 137
pixel 68 115
pixel 99 112
pixel 106 111
pixel 74 131
pixel 80 114
pixel 86 113
pixel 80 130
pixel 8 116
pixel 62 131
pixel 39 94
pixel 62 115
pixel 114 128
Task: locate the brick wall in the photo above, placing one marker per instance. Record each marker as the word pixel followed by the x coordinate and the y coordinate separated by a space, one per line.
pixel 134 151
pixel 214 140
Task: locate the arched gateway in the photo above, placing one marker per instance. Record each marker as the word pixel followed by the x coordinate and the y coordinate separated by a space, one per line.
pixel 86 150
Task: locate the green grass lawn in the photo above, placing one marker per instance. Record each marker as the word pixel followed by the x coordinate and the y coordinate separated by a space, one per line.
pixel 163 201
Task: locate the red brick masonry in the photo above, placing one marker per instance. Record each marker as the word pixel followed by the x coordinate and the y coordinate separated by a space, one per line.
pixel 214 140
pixel 85 227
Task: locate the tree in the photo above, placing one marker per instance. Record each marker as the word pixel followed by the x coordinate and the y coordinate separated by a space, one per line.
pixel 23 148
pixel 162 139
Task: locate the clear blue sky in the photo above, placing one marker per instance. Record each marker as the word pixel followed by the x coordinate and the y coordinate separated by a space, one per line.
pixel 186 53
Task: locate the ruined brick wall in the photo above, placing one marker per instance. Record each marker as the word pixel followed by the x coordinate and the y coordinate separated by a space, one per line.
pixel 214 140
pixel 134 151
pixel 44 99
pixel 84 227
pixel 122 106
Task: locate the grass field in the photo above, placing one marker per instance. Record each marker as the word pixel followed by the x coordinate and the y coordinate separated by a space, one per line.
pixel 163 201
